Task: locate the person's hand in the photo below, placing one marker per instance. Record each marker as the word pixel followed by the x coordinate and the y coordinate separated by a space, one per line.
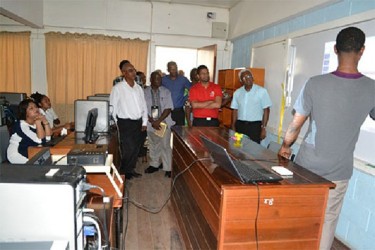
pixel 285 152
pixel 263 133
pixel 156 125
pixel 67 126
pixel 144 128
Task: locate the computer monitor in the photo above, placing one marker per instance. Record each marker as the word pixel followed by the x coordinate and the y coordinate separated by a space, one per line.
pixel 92 115
pixel 43 157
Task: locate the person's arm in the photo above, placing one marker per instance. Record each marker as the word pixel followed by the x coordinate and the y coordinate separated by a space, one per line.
pixel 266 115
pixel 188 111
pixel 156 124
pixel 234 119
pixel 215 104
pixel 292 134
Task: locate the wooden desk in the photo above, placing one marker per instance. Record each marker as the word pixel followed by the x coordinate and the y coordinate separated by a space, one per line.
pixel 109 180
pixel 215 210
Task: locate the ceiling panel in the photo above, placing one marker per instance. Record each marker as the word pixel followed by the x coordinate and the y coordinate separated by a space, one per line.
pixel 210 3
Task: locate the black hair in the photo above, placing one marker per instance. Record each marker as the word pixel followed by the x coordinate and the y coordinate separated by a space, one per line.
pixel 139 73
pixel 37 97
pixel 122 63
pixel 350 39
pixel 22 108
pixel 171 63
pixel 154 73
pixel 200 68
pixel 193 72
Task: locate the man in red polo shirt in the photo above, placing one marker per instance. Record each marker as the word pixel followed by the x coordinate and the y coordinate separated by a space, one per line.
pixel 205 98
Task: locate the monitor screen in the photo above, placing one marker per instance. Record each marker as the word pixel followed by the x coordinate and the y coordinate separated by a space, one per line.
pixel 92 115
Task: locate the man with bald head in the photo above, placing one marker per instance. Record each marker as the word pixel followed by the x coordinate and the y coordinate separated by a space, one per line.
pixel 251 108
pixel 130 113
pixel 176 84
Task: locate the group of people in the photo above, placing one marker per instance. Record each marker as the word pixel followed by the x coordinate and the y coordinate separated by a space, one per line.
pixel 37 122
pixel 168 101
pixel 327 148
pixel 336 105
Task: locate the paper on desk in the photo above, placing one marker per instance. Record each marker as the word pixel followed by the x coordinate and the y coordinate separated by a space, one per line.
pixel 282 171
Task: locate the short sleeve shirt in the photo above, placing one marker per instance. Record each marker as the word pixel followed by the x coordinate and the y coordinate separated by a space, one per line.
pixel 199 93
pixel 250 104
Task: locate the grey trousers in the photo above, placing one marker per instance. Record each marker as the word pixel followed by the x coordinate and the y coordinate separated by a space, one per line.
pixel 333 209
pixel 160 149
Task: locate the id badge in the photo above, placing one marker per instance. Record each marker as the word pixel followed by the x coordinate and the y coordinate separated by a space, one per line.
pixel 154 112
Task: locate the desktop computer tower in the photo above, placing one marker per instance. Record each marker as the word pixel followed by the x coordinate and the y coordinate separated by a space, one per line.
pixel 39 206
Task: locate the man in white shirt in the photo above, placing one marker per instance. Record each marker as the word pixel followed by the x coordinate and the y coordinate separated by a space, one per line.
pixel 130 113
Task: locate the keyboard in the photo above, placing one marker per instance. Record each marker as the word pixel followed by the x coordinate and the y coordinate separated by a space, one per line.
pixel 54 141
pixel 255 174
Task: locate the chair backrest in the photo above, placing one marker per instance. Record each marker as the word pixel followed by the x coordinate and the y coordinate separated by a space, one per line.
pixel 4 142
pixel 275 147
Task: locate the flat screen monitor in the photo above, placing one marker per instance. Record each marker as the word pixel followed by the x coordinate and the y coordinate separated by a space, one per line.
pixel 92 116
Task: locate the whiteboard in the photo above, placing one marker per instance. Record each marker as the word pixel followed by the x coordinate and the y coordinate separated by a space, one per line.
pixel 272 58
pixel 308 62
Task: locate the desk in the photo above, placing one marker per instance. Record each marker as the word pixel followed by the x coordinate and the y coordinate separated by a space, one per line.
pixel 215 210
pixel 106 177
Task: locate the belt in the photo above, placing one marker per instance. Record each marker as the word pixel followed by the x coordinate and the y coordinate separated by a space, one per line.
pixel 175 109
pixel 248 122
pixel 129 120
pixel 207 118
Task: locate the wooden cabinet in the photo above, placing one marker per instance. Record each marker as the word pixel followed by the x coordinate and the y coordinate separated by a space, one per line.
pixel 229 81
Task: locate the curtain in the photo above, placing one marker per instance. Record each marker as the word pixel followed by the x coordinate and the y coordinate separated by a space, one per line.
pixel 79 65
pixel 15 65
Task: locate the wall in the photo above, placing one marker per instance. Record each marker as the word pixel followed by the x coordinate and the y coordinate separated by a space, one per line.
pixel 28 12
pixel 248 16
pixel 356 224
pixel 163 24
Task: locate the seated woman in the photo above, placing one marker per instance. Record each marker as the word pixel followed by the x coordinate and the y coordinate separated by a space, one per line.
pixel 45 108
pixel 32 129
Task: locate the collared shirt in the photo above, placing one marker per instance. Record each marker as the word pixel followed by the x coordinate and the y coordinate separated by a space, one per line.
pixel 165 100
pixel 24 136
pixel 50 115
pixel 128 102
pixel 199 93
pixel 250 104
pixel 177 88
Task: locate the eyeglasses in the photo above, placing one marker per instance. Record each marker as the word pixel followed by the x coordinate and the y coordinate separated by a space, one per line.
pixel 247 77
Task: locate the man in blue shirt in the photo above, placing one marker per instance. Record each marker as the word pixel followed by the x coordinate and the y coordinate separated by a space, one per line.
pixel 176 84
pixel 251 108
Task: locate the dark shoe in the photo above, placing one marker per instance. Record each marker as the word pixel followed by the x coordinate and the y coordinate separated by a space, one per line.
pixel 151 169
pixel 168 174
pixel 136 175
pixel 161 166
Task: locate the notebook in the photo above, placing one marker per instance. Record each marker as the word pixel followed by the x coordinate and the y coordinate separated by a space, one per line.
pixel 244 171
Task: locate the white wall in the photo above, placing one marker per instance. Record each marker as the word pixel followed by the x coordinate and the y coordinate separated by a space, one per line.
pixel 249 16
pixel 28 12
pixel 163 24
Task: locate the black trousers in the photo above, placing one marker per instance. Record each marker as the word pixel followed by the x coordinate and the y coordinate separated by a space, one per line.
pixel 203 122
pixel 130 139
pixel 178 115
pixel 251 129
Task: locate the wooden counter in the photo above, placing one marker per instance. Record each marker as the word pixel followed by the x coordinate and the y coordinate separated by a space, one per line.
pixel 215 210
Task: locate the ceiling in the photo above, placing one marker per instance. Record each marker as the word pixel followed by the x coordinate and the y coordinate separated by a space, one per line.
pixel 210 3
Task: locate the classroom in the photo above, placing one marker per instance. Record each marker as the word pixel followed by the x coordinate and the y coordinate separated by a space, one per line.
pixel 70 51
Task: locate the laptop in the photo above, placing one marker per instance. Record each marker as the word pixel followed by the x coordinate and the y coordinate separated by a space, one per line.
pixel 245 172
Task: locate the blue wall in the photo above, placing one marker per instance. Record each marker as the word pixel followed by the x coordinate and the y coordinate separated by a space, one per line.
pixel 356 226
pixel 242 45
